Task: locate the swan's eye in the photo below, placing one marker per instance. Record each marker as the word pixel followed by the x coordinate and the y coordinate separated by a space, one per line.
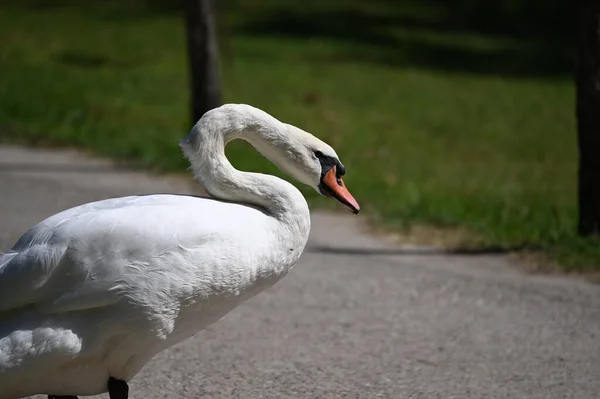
pixel 318 154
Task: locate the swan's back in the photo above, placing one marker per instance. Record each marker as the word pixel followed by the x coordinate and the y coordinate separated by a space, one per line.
pixel 66 249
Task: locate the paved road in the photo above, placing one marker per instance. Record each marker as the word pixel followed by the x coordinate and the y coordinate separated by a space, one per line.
pixel 353 319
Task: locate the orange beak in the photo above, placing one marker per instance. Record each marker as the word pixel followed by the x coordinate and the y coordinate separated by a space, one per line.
pixel 340 192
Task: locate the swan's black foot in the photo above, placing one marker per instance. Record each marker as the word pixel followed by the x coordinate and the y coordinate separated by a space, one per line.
pixel 117 389
pixel 62 397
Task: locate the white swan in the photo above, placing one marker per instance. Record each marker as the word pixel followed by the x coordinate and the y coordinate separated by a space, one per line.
pixel 91 294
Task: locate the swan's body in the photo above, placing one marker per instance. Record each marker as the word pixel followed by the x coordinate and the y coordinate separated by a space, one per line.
pixel 97 290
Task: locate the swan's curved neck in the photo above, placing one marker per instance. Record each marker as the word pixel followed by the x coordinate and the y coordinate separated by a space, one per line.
pixel 205 149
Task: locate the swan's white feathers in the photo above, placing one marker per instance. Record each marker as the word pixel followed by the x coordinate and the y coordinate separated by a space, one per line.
pixel 80 258
pixel 99 289
pixel 159 260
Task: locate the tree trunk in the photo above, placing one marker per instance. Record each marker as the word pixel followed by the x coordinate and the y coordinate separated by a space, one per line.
pixel 203 56
pixel 587 77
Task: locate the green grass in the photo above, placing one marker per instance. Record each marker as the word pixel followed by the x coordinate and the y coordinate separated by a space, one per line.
pixel 436 125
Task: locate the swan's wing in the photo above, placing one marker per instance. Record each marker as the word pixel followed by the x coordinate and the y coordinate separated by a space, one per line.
pixel 38 267
pixel 83 257
pixel 43 277
pixel 30 276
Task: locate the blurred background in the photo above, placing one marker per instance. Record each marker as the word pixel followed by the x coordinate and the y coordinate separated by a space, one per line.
pixel 455 118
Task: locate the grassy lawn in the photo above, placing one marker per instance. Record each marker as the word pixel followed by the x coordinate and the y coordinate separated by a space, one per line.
pixel 440 121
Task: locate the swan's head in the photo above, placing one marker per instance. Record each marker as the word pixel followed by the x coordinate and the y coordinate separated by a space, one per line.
pixel 313 162
pixel 296 152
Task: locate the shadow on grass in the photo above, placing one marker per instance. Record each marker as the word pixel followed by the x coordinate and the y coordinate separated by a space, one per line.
pixel 13 167
pixel 504 37
pixel 439 36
